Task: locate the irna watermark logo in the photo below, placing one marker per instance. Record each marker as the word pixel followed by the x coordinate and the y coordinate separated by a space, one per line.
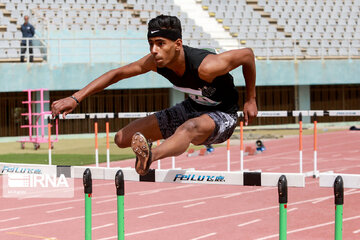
pixel 37 186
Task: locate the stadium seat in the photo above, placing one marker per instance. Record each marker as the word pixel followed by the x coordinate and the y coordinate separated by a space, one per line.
pixel 8 35
pixel 312 52
pixel 4 44
pixel 17 35
pixel 14 43
pixel 312 24
pixel 13 53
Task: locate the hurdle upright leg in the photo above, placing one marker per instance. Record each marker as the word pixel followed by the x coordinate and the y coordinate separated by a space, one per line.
pixel 173 162
pixel 315 146
pixel 241 142
pixel 120 192
pixel 87 182
pixel 300 144
pixel 283 199
pixel 158 161
pixel 339 202
pixel 107 142
pixel 49 140
pixel 228 155
pixel 96 142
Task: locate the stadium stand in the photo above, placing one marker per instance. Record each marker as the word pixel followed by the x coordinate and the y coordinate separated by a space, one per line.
pixel 274 29
pixel 284 28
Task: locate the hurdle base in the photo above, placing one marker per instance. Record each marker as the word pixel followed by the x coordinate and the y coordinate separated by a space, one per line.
pixel 316 174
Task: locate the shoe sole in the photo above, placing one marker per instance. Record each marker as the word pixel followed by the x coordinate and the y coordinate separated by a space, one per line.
pixel 142 150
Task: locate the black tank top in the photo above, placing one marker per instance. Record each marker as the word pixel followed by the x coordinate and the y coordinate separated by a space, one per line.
pixel 220 94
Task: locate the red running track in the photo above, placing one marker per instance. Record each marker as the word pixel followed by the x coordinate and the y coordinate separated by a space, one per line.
pixel 156 211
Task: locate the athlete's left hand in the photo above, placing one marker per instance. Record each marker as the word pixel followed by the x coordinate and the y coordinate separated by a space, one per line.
pixel 250 110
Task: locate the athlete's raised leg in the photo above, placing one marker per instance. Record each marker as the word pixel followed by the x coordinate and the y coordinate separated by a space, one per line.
pixel 148 126
pixel 196 130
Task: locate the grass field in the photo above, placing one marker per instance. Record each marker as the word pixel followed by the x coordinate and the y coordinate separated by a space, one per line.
pixel 60 159
pixel 65 152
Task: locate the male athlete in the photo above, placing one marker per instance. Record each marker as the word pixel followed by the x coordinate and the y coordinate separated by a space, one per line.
pixel 208 116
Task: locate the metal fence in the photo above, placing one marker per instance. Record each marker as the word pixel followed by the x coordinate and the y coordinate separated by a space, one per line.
pixel 125 50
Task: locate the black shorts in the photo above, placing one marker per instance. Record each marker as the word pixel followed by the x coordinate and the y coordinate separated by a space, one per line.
pixel 171 118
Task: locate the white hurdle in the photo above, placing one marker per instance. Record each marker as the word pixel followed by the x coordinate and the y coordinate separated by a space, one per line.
pixel 298 113
pixel 350 180
pixel 193 176
pixel 265 179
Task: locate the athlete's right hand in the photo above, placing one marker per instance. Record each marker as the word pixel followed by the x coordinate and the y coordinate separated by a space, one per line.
pixel 63 106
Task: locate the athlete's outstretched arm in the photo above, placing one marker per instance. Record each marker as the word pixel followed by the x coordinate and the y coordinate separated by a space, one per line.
pixel 67 105
pixel 220 64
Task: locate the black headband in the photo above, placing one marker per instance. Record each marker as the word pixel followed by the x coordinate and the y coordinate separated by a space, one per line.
pixel 166 33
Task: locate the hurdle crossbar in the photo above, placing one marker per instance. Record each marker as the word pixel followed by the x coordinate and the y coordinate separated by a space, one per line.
pixel 255 178
pixel 296 113
pixel 350 180
pixel 193 176
pixel 311 113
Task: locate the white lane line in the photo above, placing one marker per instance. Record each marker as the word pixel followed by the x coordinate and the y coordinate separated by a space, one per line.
pixel 75 189
pixel 285 153
pixel 308 228
pixel 150 192
pixel 40 223
pixel 108 238
pixel 272 169
pixel 322 199
pixel 159 205
pixel 103 226
pixel 186 201
pixel 282 146
pixel 160 190
pixel 58 210
pixel 55 221
pixel 43 205
pixel 105 201
pixel 150 214
pixel 81 200
pixel 248 223
pixel 133 193
pixel 348 192
pixel 342 169
pixel 212 166
pixel 204 236
pixel 356 231
pixel 293 164
pixel 192 205
pixel 218 217
pixel 9 219
pixel 201 220
pixel 251 191
pixel 292 209
pixel 217 196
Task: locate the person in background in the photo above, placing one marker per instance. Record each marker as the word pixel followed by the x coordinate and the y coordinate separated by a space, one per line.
pixel 28 31
pixel 209 148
